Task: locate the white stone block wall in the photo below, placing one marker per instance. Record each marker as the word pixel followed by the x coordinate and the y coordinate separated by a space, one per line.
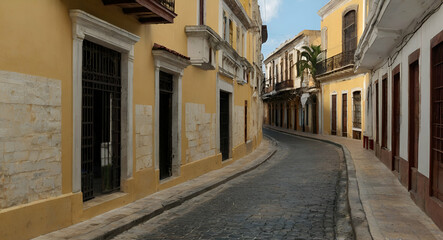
pixel 30 138
pixel 200 132
pixel 143 136
pixel 239 125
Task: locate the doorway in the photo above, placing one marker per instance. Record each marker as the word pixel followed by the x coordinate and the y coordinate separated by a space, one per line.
pixel 165 125
pixel 414 121
pixel 101 120
pixel 224 125
pixel 288 116
pixel 396 119
pixel 334 115
pixel 344 118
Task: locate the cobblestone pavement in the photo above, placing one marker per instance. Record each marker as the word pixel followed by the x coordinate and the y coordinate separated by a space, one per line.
pixel 292 196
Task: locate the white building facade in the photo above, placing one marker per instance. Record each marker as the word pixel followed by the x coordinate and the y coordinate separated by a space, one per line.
pixel 402 48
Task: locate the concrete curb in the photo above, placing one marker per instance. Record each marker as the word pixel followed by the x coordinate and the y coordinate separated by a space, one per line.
pixel 145 210
pixel 352 223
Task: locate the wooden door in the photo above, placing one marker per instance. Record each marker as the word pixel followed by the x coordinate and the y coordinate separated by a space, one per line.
pixel 437 119
pixel 246 120
pixel 384 117
pixel 334 115
pixel 414 121
pixel 344 115
pixel 395 132
pixel 377 132
pixel 288 116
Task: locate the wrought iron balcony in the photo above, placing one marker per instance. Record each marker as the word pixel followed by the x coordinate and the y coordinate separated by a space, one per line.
pixel 147 11
pixel 336 62
pixel 285 84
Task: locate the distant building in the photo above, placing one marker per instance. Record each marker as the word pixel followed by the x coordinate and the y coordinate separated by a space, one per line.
pixel 290 102
pixel 104 102
pixel 342 90
pixel 402 48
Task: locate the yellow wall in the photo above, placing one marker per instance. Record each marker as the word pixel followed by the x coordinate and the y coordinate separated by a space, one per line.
pixel 334 24
pixel 339 87
pixel 39 42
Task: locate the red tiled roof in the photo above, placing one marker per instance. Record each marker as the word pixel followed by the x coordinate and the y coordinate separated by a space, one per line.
pixel 160 47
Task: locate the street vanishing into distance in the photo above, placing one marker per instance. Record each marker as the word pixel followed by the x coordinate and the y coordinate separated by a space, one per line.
pixel 291 196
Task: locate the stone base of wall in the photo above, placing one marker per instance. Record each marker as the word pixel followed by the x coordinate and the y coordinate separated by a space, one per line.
pixel 404 172
pixel 386 158
pixel 30 139
pixel 143 136
pixel 200 132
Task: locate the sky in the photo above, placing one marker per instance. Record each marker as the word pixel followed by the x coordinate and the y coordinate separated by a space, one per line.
pixel 286 18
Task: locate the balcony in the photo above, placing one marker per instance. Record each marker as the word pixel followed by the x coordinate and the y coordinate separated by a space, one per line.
pixel 203 43
pixel 284 85
pixel 147 11
pixel 336 63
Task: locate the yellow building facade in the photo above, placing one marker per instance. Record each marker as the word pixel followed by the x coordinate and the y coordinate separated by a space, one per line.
pixel 289 100
pixel 103 103
pixel 342 90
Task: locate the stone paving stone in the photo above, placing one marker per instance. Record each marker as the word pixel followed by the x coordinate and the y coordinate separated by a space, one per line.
pixel 390 212
pixel 292 196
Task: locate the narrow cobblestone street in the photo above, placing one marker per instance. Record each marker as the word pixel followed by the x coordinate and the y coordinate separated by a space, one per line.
pixel 291 196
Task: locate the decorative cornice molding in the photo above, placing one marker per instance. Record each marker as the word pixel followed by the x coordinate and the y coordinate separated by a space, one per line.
pixel 240 12
pixel 330 7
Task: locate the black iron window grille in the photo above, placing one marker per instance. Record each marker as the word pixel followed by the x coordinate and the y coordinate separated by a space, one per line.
pixel 357 110
pixel 101 120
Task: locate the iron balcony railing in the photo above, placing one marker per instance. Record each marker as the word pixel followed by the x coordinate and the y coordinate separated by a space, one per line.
pixel 285 84
pixel 335 62
pixel 169 4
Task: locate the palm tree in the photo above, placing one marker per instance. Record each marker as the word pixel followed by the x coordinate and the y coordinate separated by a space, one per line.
pixel 308 60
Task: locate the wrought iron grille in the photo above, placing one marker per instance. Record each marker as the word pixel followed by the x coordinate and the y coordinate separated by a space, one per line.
pixel 101 120
pixel 284 85
pixel 169 4
pixel 357 110
pixel 333 63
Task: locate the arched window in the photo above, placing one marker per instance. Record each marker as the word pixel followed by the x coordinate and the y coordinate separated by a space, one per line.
pixel 349 32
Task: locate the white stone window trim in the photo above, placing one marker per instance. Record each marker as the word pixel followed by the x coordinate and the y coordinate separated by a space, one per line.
pixel 91 28
pixel 174 65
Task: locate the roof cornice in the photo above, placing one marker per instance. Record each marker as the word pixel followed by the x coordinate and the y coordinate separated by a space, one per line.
pixel 329 7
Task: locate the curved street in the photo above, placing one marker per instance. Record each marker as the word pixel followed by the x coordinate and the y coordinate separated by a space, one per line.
pixel 291 196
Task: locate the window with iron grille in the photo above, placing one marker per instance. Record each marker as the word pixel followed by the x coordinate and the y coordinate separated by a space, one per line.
pixel 437 116
pixel 101 120
pixel 349 31
pixel 357 110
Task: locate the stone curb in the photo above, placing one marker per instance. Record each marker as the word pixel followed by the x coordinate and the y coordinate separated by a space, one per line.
pixel 353 223
pixel 145 211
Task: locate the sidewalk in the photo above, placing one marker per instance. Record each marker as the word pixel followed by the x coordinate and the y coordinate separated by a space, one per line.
pixel 390 212
pixel 112 223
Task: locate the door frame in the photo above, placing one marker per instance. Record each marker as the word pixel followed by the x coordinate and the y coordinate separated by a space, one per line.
pixel 170 63
pixel 229 88
pixel 87 26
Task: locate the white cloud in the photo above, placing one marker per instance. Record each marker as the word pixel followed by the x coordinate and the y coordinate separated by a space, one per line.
pixel 269 8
